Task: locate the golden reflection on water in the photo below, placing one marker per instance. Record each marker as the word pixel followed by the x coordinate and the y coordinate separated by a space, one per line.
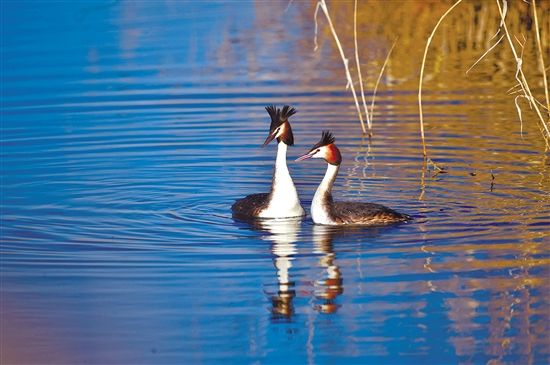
pixel 465 35
pixel 508 298
pixel 473 130
pixel 482 241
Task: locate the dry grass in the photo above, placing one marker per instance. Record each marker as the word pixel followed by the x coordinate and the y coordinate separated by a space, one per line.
pixel 541 59
pixel 379 78
pixel 511 28
pixel 520 76
pixel 369 123
pixel 322 4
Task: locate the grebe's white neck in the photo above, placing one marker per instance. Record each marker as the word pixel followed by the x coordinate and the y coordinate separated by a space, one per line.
pixel 323 196
pixel 281 175
pixel 284 201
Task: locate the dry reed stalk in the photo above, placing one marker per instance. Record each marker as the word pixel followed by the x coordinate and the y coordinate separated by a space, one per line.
pixel 486 52
pixel 323 6
pixel 520 76
pixel 422 75
pixel 541 59
pixel 422 180
pixel 379 78
pixel 369 123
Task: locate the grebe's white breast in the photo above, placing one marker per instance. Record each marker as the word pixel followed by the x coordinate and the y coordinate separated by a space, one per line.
pixel 283 198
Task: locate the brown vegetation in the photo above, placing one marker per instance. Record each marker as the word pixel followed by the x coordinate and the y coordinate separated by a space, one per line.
pixel 467 36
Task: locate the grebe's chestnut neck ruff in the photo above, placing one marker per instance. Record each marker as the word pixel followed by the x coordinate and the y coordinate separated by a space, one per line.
pixel 282 201
pixel 324 210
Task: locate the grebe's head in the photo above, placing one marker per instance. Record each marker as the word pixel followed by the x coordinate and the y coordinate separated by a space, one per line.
pixel 280 126
pixel 325 149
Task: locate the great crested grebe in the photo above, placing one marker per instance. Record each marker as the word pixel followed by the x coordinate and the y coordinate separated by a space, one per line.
pixel 282 201
pixel 324 210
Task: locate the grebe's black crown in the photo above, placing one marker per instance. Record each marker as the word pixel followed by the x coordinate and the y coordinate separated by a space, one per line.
pixel 278 117
pixel 287 112
pixel 326 139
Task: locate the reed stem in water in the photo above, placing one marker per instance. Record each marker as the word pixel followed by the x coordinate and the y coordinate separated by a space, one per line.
pixel 379 78
pixel 369 123
pixel 520 76
pixel 322 4
pixel 541 59
pixel 422 76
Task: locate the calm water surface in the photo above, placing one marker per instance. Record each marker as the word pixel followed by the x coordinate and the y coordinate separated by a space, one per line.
pixel 129 129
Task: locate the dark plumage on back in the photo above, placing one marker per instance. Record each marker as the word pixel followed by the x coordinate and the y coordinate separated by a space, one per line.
pixel 250 206
pixel 364 213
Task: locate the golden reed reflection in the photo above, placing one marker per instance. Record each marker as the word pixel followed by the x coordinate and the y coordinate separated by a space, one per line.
pixel 474 126
pixel 462 39
pixel 512 300
pixel 466 33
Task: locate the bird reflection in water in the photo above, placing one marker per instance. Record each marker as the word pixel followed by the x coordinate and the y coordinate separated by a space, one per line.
pixel 330 286
pixel 284 232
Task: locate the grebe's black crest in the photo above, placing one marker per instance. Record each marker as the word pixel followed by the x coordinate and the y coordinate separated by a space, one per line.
pixel 330 153
pixel 287 112
pixel 272 110
pixel 326 139
pixel 278 117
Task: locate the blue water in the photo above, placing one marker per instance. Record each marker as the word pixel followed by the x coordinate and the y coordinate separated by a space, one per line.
pixel 130 128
